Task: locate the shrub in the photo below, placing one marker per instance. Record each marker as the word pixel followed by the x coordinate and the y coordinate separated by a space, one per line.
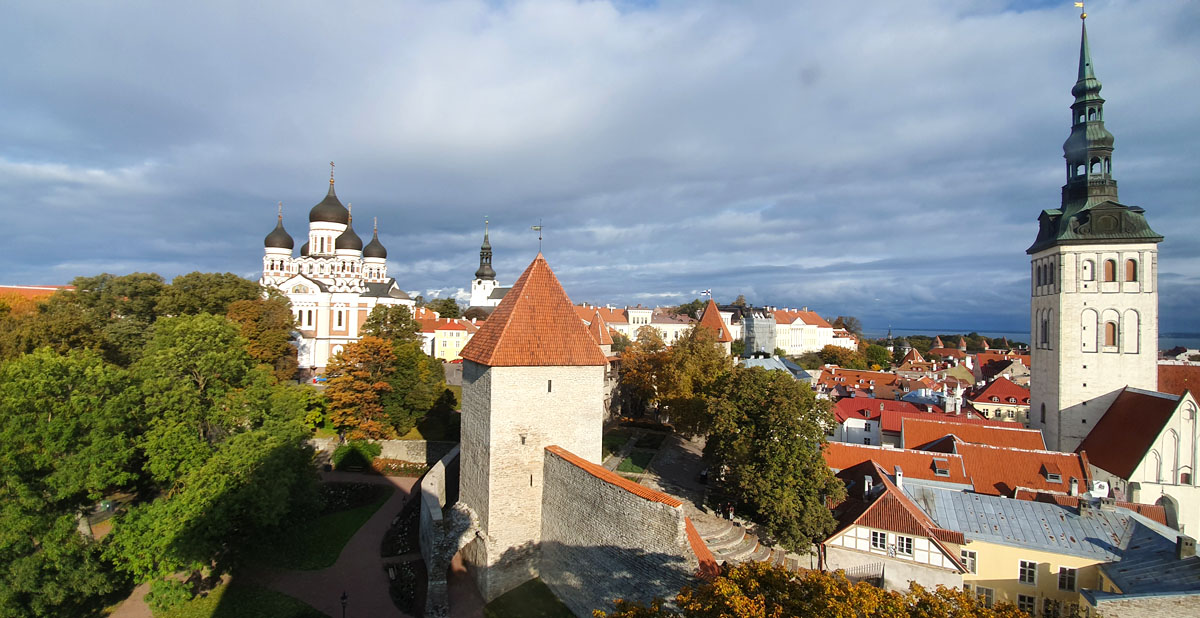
pixel 167 593
pixel 356 453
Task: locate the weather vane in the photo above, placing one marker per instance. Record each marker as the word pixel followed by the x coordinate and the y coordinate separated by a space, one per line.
pixel 331 172
pixel 538 228
pixel 1082 11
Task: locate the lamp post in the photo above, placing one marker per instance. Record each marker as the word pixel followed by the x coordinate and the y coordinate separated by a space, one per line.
pixel 345 597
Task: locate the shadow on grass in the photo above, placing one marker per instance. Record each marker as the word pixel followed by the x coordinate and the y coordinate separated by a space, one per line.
pixel 316 543
pixel 243 600
pixel 532 599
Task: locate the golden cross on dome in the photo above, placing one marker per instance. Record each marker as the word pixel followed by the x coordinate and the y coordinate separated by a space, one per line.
pixel 331 172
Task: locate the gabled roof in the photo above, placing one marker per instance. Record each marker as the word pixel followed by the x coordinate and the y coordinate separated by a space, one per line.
pixel 947 352
pixel 711 319
pixel 890 413
pixel 919 432
pixel 610 315
pixel 1003 389
pixel 599 330
pixel 914 464
pixel 913 356
pixel 1001 471
pixel 1128 429
pixel 1175 379
pixel 535 325
pixel 1152 512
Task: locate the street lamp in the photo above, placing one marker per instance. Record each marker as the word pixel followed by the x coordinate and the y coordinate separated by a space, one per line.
pixel 345 597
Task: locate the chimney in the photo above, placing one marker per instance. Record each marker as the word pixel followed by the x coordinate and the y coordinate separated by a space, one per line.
pixel 1185 547
pixel 1074 486
pixel 899 478
pixel 867 481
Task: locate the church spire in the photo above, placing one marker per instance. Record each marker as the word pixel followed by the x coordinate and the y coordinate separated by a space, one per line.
pixel 485 257
pixel 1088 150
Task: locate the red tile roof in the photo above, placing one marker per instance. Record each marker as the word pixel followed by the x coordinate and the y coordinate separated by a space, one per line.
pixel 947 352
pixel 919 432
pixel 32 292
pixel 1000 471
pixel 612 478
pixel 915 464
pixel 913 356
pixel 711 319
pixel 708 562
pixel 891 413
pixel 896 512
pixel 1003 389
pixel 1128 429
pixel 937 342
pixel 599 330
pixel 1175 379
pixel 611 316
pixel 1151 511
pixel 535 325
pixel 784 316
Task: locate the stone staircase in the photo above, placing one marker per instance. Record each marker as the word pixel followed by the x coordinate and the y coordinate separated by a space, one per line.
pixel 730 542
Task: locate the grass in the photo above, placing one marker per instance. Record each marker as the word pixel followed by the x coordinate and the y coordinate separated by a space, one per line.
pixel 437 427
pixel 457 390
pixel 316 544
pixel 532 599
pixel 636 463
pixel 325 430
pixel 614 440
pixel 234 600
pixel 650 440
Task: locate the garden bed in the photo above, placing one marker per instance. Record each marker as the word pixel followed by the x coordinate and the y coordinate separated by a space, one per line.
pixel 408 587
pixel 402 537
pixel 398 467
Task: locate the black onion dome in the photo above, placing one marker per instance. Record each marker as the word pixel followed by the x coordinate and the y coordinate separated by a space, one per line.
pixel 329 210
pixel 279 238
pixel 348 239
pixel 304 250
pixel 375 249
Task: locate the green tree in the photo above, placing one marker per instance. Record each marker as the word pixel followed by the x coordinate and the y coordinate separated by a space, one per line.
pixel 393 323
pixel 877 356
pixel 267 325
pixel 766 435
pixel 358 381
pixel 764 590
pixel 691 309
pixel 740 301
pixel 643 368
pixel 810 360
pixel 65 441
pixel 694 363
pixel 133 296
pixel 416 383
pixel 849 323
pixel 620 343
pixel 445 307
pixel 197 292
pixel 842 357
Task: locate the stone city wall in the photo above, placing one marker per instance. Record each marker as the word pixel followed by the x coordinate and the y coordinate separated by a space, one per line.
pixel 1166 606
pixel 604 537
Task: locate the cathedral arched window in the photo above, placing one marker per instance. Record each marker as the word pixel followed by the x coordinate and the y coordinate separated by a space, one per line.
pixel 1110 270
pixel 1131 270
pixel 1110 334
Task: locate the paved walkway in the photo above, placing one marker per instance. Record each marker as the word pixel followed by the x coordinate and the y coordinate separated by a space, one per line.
pixel 359 570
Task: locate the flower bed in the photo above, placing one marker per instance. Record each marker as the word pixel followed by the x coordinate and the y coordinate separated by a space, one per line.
pixel 401 537
pixel 397 467
pixel 337 497
pixel 408 586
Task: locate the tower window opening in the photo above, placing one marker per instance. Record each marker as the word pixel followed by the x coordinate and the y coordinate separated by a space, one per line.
pixel 1094 167
pixel 1108 165
pixel 1079 118
pixel 1131 270
pixel 1110 334
pixel 1091 114
pixel 1079 170
pixel 1045 331
pixel 1110 270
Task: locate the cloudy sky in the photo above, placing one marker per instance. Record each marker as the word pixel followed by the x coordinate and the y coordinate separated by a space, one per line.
pixel 881 159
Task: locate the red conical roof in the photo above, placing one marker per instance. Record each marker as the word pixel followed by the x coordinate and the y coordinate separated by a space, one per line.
pixel 599 330
pixel 711 318
pixel 534 326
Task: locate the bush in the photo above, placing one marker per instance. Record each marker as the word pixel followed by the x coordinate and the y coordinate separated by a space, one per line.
pixel 356 453
pixel 167 593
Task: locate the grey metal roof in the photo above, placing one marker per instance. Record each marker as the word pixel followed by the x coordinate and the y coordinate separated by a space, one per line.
pixel 386 290
pixel 1149 564
pixel 770 364
pixel 498 293
pixel 1024 523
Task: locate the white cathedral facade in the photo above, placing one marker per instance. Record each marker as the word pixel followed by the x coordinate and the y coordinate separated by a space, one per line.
pixel 333 284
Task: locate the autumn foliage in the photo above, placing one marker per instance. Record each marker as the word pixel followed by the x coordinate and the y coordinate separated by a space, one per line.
pixel 358 380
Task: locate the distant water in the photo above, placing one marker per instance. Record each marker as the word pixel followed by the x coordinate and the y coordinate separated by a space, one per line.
pixel 1166 341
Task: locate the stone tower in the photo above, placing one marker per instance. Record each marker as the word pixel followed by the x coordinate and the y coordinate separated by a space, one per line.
pixel 532 377
pixel 1093 271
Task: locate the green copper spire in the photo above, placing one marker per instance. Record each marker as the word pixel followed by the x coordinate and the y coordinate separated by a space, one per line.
pixel 1087 83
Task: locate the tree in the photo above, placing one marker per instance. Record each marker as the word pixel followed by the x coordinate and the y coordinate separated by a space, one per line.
pixel 737 349
pixel 267 324
pixel 850 323
pixel 810 360
pixel 197 292
pixel 133 296
pixel 691 309
pixel 878 356
pixel 766 435
pixel 694 363
pixel 763 590
pixel 643 365
pixel 393 323
pixel 415 384
pixel 358 381
pixel 740 301
pixel 620 343
pixel 65 425
pixel 842 357
pixel 445 307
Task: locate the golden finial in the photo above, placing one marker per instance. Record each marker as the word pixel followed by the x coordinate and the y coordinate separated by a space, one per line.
pixel 1082 11
pixel 281 211
pixel 375 222
pixel 331 172
pixel 349 213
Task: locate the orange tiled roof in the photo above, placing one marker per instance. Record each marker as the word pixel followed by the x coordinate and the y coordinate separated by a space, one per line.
pixel 611 316
pixel 599 330
pixel 1003 389
pixel 1151 511
pixel 937 342
pixel 612 478
pixel 919 432
pixel 32 292
pixel 1000 471
pixel 947 352
pixel 1175 379
pixel 913 356
pixel 783 316
pixel 535 325
pixel 711 319
pixel 708 562
pixel 1128 429
pixel 896 512
pixel 915 464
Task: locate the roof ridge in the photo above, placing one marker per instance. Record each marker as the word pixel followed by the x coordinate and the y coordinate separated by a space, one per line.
pixel 615 479
pixel 1159 394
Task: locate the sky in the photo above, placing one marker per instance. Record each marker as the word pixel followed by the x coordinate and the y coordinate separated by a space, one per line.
pixel 886 160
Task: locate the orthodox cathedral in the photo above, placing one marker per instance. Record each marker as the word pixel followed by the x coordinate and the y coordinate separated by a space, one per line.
pixel 335 282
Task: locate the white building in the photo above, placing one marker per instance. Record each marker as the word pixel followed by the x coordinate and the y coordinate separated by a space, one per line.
pixel 486 292
pixel 333 284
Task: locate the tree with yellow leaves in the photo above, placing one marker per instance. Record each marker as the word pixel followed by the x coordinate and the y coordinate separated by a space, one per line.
pixel 358 381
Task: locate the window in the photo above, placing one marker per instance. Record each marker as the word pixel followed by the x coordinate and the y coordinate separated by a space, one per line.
pixel 986 595
pixel 1110 334
pixel 310 322
pixel 866 441
pixel 1066 578
pixel 1027 572
pixel 1087 274
pixel 1110 270
pixel 941 467
pixel 878 540
pixel 904 545
pixel 549 386
pixel 339 315
pixel 1027 604
pixel 1043 414
pixel 969 561
pixel 1131 270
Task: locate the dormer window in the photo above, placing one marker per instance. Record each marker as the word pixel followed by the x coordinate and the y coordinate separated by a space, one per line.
pixel 941 466
pixel 1052 473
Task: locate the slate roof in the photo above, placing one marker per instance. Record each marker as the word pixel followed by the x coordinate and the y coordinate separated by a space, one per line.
pixel 711 319
pixel 535 325
pixel 1129 427
pixel 379 290
pixel 499 293
pixel 917 432
pixel 1149 565
pixel 1175 379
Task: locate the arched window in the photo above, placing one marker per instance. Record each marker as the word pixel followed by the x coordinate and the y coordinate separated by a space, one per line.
pixel 1131 270
pixel 1094 167
pixel 1087 271
pixel 1110 334
pixel 1091 113
pixel 1038 271
pixel 1110 270
pixel 1050 273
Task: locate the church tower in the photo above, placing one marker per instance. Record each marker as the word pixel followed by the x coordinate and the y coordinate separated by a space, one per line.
pixel 485 277
pixel 1093 276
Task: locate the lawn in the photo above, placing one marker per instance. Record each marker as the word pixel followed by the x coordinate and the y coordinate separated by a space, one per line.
pixel 532 599
pixel 614 440
pixel 636 463
pixel 650 440
pixel 316 544
pixel 438 427
pixel 236 600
